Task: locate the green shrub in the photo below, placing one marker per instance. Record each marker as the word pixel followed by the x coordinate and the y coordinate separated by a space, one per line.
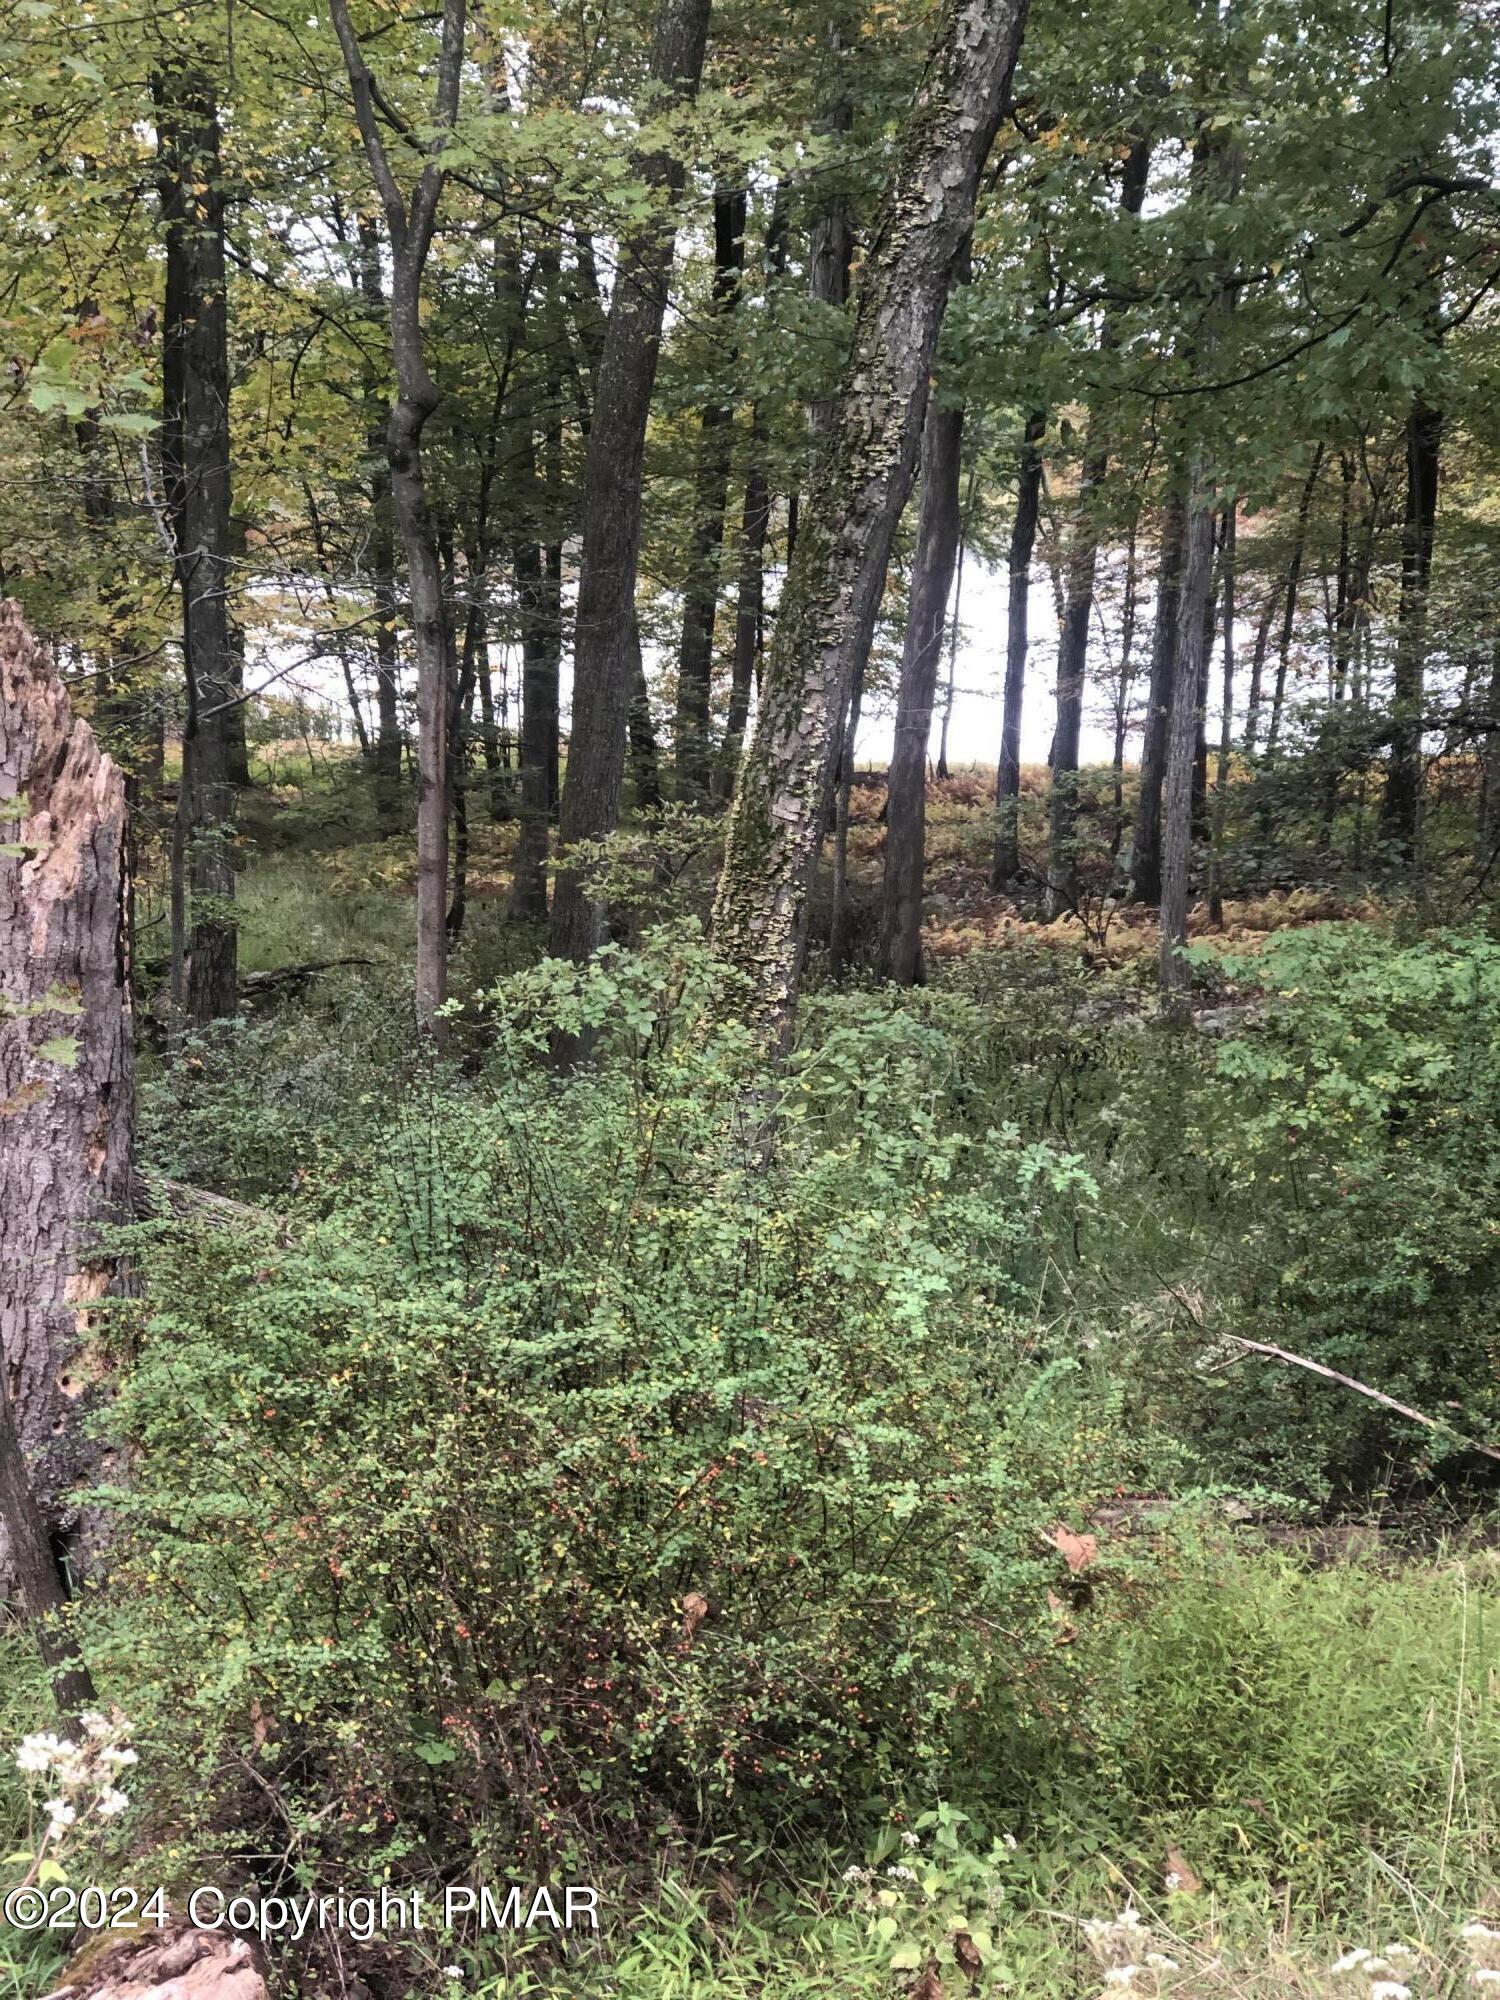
pixel 579 1472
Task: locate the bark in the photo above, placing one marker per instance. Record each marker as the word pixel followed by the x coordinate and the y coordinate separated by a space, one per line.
pixel 938 530
pixel 692 747
pixel 1122 691
pixel 1145 844
pixel 862 475
pixel 66 1105
pixel 1401 803
pixel 409 224
pixel 1487 809
pixel 195 449
pixel 603 646
pixel 1005 865
pixel 1257 668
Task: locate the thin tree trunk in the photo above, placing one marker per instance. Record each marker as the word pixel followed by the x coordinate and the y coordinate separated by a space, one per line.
pixel 1145 844
pixel 1487 811
pixel 1401 803
pixel 838 927
pixel 955 628
pixel 1078 608
pixel 755 523
pixel 195 437
pixel 66 1110
pixel 1226 729
pixel 410 224
pixel 539 701
pixel 1194 594
pixel 645 758
pixel 386 757
pixel 1289 601
pixel 603 651
pixel 938 530
pixel 1006 863
pixel 1123 687
pixel 860 483
pixel 692 748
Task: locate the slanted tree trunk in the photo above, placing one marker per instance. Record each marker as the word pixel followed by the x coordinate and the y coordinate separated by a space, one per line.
pixel 862 475
pixel 1145 843
pixel 1289 602
pixel 603 648
pixel 409 224
pixel 1005 865
pixel 66 1115
pixel 195 449
pixel 938 529
pixel 692 749
pixel 1401 803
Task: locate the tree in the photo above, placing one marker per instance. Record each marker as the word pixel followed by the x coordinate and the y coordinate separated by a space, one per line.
pixel 603 648
pixel 859 486
pixel 410 222
pixel 938 529
pixel 67 1105
pixel 1006 863
pixel 195 453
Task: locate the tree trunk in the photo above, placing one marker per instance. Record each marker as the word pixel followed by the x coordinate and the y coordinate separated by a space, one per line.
pixel 410 223
pixel 195 449
pixel 862 475
pixel 1226 729
pixel 692 749
pixel 755 522
pixel 955 630
pixel 938 529
pixel 1145 844
pixel 1195 590
pixel 1006 863
pixel 1289 602
pixel 386 756
pixel 539 701
pixel 603 655
pixel 645 758
pixel 66 1107
pixel 1078 608
pixel 1125 683
pixel 1401 805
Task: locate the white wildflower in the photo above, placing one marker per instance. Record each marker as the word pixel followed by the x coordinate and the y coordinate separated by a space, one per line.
pixel 1398 1951
pixel 1350 1962
pixel 453 1972
pixel 910 1840
pixel 1159 1962
pixel 1009 1840
pixel 1174 1880
pixel 60 1816
pixel 37 1753
pixel 1122 1975
pixel 119 1755
pixel 1486 1975
pixel 1389 1989
pixel 112 1802
pixel 855 1874
pixel 96 1725
pixel 1480 1933
pixel 899 1874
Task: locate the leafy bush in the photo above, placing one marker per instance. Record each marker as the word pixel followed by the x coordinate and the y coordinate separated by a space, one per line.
pixel 583 1471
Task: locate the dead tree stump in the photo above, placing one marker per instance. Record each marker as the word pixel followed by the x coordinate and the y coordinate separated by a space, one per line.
pixel 66 1076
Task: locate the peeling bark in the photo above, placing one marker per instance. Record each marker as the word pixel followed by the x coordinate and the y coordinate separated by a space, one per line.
pixel 859 485
pixel 66 1081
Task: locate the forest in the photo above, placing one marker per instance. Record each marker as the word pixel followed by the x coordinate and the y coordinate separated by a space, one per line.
pixel 749 999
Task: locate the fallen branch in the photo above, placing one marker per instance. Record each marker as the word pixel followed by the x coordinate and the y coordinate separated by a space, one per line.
pixel 154 1196
pixel 1275 1353
pixel 294 975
